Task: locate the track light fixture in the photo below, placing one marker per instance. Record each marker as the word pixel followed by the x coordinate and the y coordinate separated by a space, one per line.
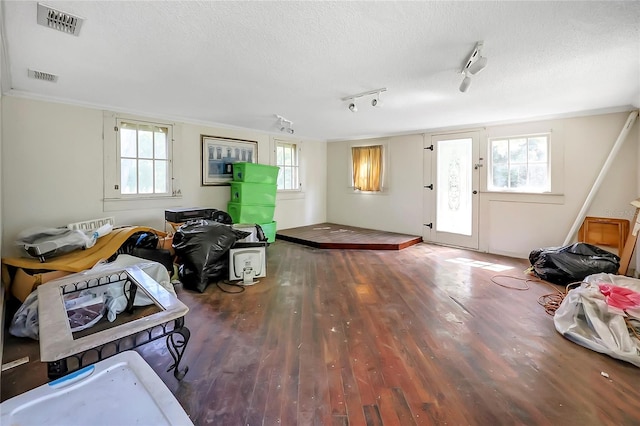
pixel 285 125
pixel 474 64
pixel 375 102
pixel 477 66
pixel 466 82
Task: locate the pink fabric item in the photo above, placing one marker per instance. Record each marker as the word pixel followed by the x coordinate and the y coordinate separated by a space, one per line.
pixel 620 297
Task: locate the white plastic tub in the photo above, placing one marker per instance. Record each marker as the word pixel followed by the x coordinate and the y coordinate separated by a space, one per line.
pixel 121 390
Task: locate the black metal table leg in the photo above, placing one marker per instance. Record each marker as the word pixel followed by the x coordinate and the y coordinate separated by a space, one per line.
pixel 177 339
pixel 57 369
pixel 133 289
pixel 176 344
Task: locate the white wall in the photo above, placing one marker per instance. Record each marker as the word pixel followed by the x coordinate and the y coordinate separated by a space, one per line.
pixel 4 82
pixel 637 142
pixel 514 228
pixel 52 174
pixel 310 206
pixel 52 171
pixel 398 208
pixel 508 225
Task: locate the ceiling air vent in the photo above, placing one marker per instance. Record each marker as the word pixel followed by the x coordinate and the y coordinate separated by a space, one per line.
pixel 58 20
pixel 39 75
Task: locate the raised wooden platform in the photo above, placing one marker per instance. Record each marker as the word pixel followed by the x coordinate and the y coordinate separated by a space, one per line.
pixel 332 236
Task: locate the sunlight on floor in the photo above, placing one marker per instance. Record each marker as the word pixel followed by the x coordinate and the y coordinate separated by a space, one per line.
pixel 477 264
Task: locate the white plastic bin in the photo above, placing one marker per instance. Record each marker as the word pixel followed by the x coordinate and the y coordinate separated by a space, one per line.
pixel 121 390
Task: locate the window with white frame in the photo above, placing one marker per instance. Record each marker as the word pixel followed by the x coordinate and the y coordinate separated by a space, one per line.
pixel 520 164
pixel 144 158
pixel 287 159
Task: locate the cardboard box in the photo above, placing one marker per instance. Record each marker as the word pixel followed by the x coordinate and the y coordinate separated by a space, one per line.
pixel 23 283
pixel 166 243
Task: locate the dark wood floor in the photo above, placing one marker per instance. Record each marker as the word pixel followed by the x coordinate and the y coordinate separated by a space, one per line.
pixel 337 337
pixel 332 236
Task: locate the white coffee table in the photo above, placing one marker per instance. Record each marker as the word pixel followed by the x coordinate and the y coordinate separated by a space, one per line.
pixel 58 344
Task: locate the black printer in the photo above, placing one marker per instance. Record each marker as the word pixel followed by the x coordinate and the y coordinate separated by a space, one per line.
pixel 189 213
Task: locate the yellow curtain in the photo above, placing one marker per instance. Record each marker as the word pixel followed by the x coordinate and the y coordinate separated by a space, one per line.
pixel 367 167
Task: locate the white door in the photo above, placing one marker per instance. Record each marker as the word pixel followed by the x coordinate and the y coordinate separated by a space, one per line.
pixel 451 185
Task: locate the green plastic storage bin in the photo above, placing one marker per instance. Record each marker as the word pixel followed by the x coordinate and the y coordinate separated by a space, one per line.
pixel 254 172
pixel 250 213
pixel 253 193
pixel 269 230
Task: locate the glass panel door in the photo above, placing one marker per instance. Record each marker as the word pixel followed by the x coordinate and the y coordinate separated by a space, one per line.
pixel 454 185
pixel 454 198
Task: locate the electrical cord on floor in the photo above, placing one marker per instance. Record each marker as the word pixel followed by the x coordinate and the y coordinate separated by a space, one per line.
pixel 525 280
pixel 229 283
pixel 550 302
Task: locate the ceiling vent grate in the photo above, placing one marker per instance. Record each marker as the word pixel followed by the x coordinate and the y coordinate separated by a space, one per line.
pixel 58 20
pixel 39 75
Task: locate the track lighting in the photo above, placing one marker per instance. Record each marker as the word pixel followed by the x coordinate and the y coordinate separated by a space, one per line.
pixel 474 64
pixel 477 66
pixel 375 102
pixel 285 125
pixel 466 82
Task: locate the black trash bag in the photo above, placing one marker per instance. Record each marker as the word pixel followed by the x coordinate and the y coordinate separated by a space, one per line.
pixel 222 217
pixel 161 256
pixel 188 275
pixel 573 263
pixel 202 245
pixel 260 233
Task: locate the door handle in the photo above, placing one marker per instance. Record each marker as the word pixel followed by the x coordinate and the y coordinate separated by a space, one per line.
pixel 474 192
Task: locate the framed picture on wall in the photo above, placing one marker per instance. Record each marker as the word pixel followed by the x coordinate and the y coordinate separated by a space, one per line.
pixel 218 154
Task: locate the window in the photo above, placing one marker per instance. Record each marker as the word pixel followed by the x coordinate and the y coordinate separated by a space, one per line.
pixel 519 164
pixel 141 168
pixel 288 161
pixel 367 168
pixel 144 151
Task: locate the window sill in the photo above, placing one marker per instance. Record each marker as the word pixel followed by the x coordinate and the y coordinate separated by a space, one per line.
pixel 383 191
pixel 525 197
pixel 118 204
pixel 289 195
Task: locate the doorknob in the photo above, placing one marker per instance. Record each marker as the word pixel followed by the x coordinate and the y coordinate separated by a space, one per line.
pixel 474 192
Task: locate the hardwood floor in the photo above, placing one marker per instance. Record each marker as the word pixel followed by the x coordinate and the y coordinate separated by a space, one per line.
pixel 332 236
pixel 351 337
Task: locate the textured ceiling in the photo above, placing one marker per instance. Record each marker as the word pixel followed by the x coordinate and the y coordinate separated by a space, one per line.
pixel 241 63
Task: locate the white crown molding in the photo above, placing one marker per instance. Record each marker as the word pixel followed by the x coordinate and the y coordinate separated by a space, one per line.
pixel 476 126
pixel 177 119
